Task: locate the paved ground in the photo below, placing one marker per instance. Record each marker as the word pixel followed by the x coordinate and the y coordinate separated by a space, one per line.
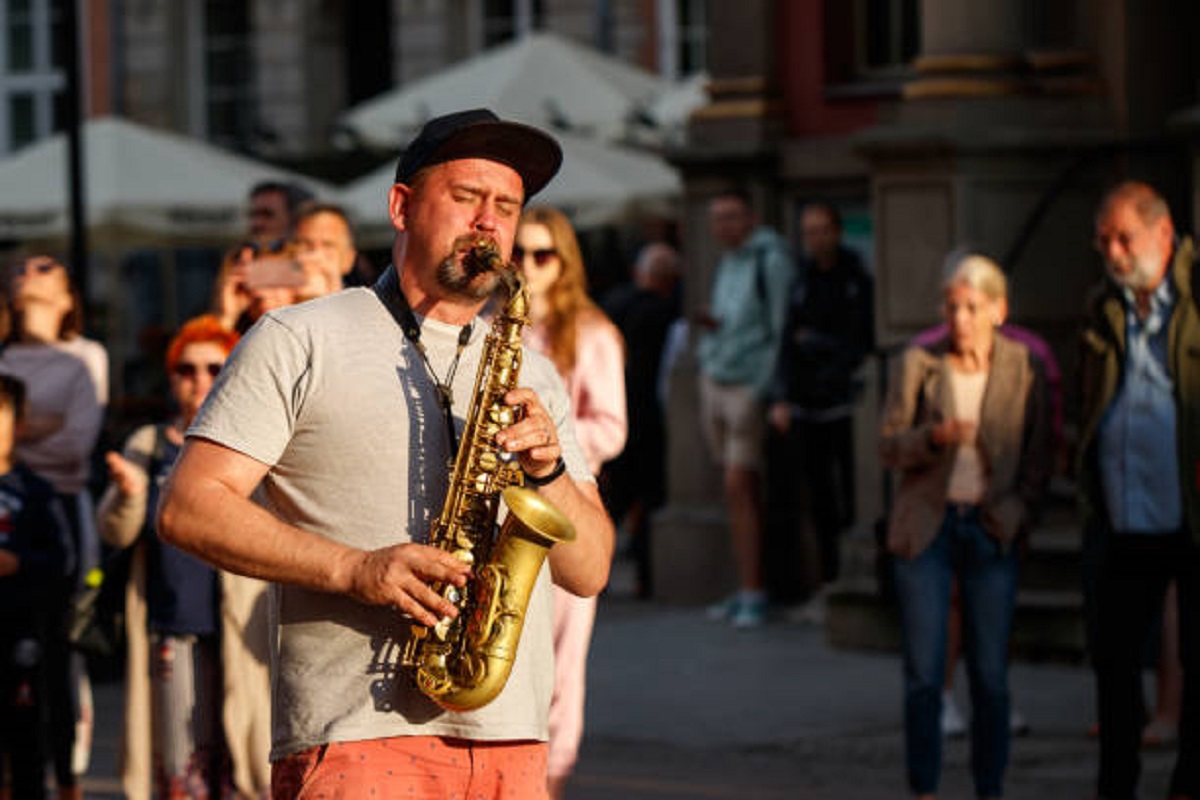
pixel 680 707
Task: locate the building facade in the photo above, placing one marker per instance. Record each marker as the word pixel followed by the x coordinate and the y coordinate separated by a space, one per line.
pixel 932 124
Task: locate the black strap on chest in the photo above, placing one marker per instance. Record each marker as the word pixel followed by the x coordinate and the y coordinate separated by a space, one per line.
pixel 387 289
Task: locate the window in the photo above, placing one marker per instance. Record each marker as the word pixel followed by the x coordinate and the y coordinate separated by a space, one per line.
pixel 507 19
pixel 693 36
pixel 228 114
pixel 870 40
pixel 31 76
pixel 888 35
pixel 682 37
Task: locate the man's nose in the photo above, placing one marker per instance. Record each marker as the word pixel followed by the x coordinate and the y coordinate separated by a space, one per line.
pixel 486 218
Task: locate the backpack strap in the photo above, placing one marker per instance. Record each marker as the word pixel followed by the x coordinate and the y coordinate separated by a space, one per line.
pixel 760 277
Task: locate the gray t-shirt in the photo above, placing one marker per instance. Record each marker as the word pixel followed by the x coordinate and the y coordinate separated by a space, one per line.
pixel 331 396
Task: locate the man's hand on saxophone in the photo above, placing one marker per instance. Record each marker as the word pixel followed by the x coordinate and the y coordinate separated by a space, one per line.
pixel 400 576
pixel 534 438
pixel 581 566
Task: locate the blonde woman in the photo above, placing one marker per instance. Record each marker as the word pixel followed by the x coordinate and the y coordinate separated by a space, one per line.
pixel 966 426
pixel 589 353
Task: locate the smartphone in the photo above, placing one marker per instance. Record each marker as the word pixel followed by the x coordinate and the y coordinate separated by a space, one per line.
pixel 270 271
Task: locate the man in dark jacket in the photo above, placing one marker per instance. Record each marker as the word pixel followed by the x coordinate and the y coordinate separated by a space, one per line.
pixel 829 330
pixel 1139 451
pixel 644 310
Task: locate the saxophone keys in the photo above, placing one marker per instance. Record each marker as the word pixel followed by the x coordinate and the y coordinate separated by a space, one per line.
pixel 504 415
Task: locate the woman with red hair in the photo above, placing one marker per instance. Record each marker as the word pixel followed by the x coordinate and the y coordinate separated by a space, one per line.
pixel 197 719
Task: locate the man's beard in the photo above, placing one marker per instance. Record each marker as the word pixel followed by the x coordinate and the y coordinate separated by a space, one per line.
pixel 1144 272
pixel 456 279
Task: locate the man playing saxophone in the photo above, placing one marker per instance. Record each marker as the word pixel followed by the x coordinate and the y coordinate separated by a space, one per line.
pixel 319 462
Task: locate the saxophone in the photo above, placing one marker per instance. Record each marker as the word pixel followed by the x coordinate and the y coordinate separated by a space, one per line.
pixel 463 663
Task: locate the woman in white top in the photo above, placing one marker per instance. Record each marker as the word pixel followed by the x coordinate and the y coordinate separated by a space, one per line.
pixel 966 427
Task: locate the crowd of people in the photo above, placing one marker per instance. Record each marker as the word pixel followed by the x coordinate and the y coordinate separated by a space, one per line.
pixel 277 527
pixel 972 431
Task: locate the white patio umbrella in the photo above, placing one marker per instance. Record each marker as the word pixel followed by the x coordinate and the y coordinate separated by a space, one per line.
pixel 598 184
pixel 670 110
pixel 542 79
pixel 140 182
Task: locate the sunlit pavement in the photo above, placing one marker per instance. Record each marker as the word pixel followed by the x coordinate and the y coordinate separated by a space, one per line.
pixel 682 707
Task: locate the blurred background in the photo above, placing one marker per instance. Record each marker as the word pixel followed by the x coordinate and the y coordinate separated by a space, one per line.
pixel 132 130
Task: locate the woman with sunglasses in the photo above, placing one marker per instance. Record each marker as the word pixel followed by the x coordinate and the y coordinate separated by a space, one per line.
pixel 590 355
pixel 66 377
pixel 197 710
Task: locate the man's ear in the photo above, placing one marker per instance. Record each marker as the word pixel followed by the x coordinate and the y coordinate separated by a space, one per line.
pixel 398 200
pixel 351 260
pixel 1166 233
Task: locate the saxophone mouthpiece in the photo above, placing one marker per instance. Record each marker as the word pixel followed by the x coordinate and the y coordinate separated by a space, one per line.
pixel 483 255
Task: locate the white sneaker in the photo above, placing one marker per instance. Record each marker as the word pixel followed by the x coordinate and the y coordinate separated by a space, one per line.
pixel 723 609
pixel 750 613
pixel 954 724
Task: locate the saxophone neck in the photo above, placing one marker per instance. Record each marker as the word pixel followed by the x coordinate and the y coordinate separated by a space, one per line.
pixel 516 302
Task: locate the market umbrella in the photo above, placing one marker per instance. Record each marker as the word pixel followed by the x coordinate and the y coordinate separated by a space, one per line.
pixel 542 79
pixel 141 183
pixel 598 184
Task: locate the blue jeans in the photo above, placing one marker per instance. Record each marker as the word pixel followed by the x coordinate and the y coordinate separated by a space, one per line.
pixel 987 577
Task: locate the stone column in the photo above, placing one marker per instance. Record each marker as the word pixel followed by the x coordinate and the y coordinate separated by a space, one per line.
pixel 732 140
pixel 1003 101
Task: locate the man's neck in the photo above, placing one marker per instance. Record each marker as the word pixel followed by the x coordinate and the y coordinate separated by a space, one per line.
pixel 1143 299
pixel 433 303
pixel 827 262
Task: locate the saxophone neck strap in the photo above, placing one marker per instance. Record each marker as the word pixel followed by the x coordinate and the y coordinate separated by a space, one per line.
pixel 387 289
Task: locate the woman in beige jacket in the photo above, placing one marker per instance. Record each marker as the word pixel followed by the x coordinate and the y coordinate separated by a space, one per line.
pixel 197 700
pixel 966 427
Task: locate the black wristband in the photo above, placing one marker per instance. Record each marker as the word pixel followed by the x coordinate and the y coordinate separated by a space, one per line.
pixel 560 467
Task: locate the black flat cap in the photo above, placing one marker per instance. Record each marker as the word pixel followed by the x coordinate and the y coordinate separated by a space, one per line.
pixel 479 133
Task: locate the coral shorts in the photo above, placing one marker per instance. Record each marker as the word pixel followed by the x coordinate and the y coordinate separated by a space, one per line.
pixel 423 767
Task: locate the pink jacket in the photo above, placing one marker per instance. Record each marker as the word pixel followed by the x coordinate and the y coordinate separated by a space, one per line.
pixel 597 388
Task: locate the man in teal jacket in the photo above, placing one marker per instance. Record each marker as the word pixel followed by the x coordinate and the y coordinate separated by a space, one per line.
pixel 1139 453
pixel 737 352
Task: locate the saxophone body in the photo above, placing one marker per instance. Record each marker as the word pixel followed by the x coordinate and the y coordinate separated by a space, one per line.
pixel 464 663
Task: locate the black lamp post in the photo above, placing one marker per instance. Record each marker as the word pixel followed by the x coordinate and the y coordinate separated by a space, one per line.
pixel 73 122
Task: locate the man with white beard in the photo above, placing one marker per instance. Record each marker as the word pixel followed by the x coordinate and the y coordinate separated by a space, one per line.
pixel 1139 468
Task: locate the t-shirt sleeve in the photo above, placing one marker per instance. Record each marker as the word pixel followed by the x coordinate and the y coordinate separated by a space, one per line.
pixel 257 399
pixel 541 376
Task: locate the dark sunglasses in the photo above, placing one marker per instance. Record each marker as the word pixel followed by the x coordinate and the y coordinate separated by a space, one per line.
pixel 541 256
pixel 185 370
